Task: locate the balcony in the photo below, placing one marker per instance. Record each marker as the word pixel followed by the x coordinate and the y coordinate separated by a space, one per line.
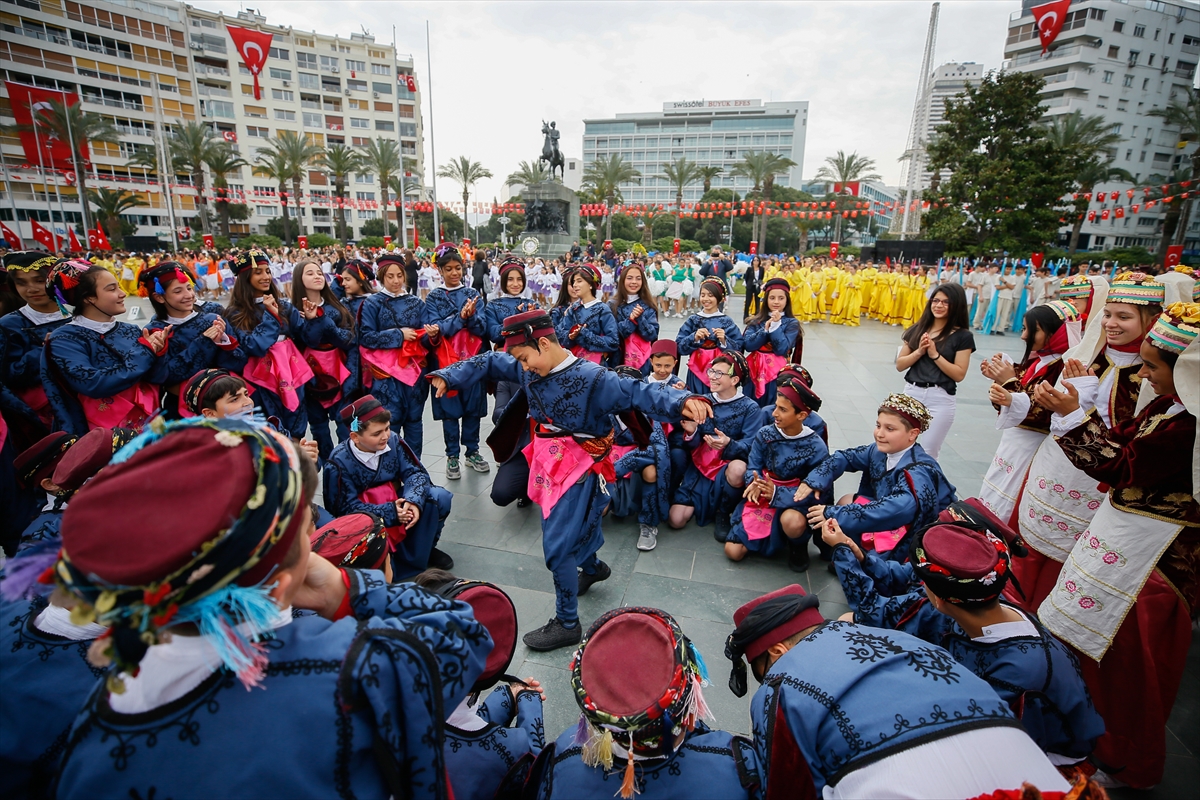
pixel 212 91
pixel 1072 54
pixel 204 69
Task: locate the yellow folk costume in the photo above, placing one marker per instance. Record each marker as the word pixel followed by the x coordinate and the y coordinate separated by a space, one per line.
pixel 847 308
pixel 130 270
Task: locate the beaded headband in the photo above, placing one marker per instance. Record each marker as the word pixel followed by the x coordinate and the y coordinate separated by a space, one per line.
pixel 1176 328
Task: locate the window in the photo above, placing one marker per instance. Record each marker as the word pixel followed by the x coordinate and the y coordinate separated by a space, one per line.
pixel 281 74
pixel 380 69
pixel 1145 84
pixel 1114 51
pixel 372 214
pixel 282 55
pixel 1108 76
pixel 309 81
pixel 1139 31
pixel 1118 26
pixel 1122 105
pixel 1190 41
pixel 329 63
pixel 1133 57
pixel 355 122
pixel 356 86
pixel 1101 101
pixel 364 177
pixel 406 129
pixel 1129 154
pixel 381 87
pixel 1150 60
pixel 306 60
pixel 331 84
pixel 341 48
pixel 1128 81
pixel 286 116
pixel 305 42
pixel 382 125
pixel 247 89
pixel 1142 157
pixel 313 120
pixel 255 111
pixel 1116 128
pixel 258 133
pixel 285 95
pixel 219 108
pixel 364 195
pixel 406 112
pixel 356 66
pixel 360 141
pixel 267 211
pixel 361 105
pixel 1095 13
pixel 1157 33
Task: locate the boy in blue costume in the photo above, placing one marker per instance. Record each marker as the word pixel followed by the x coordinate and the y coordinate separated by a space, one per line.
pixel 510 303
pixel 455 327
pixel 964 566
pixel 189 591
pixel 637 679
pixel 572 403
pixel 375 472
pixel 795 372
pixel 847 711
pixel 902 487
pixel 769 516
pixel 486 756
pixel 588 327
pixel 24 333
pixel 707 334
pixel 643 476
pixel 393 348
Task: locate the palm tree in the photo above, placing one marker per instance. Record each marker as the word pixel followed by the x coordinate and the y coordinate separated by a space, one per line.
pixel 1087 177
pixel 680 173
pixel 606 175
pixel 73 126
pixel 707 174
pixel 299 153
pixel 382 157
pixel 760 168
pixel 340 161
pixel 1186 116
pixel 145 157
pixel 845 169
pixel 528 174
pixel 275 165
pixel 190 145
pixel 221 161
pixel 109 204
pixel 465 173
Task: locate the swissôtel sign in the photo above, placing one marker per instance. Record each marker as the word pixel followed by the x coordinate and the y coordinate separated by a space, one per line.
pixel 684 105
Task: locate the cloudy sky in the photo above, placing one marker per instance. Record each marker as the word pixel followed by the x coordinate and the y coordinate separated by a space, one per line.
pixel 499 68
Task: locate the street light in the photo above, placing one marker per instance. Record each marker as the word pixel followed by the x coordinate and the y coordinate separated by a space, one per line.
pixel 504 230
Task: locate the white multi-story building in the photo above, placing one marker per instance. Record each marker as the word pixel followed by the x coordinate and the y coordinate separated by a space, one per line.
pixel 1119 59
pixel 710 132
pixel 945 82
pixel 151 65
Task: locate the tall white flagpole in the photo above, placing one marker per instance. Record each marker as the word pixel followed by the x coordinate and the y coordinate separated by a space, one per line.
pixel 437 228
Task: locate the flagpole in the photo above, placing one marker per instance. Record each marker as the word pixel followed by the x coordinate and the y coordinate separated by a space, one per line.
pixel 437 227
pixel 400 215
pixel 83 206
pixel 8 183
pixel 46 187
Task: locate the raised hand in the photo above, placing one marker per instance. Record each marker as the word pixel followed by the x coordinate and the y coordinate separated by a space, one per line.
pixel 637 312
pixel 271 304
pixel 803 491
pixel 1058 402
pixel 310 310
pixel 439 385
pixel 1074 368
pixel 999 395
pixel 720 334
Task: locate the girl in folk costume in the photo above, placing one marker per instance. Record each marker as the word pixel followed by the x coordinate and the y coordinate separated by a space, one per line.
pixel 196 339
pixel 264 323
pixel 643 472
pixel 1025 424
pixel 770 338
pixel 658 279
pixel 713 476
pixel 637 319
pixel 393 349
pixel 707 334
pixel 357 281
pixel 847 306
pixel 22 335
pixel 510 302
pixel 455 327
pixel 588 327
pixel 1079 291
pixel 98 372
pixel 1129 588
pixel 329 336
pixel 1059 500
pixel 680 288
pixel 780 456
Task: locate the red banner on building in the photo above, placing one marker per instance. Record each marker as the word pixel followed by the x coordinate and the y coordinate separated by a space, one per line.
pixel 1050 18
pixel 42 147
pixel 408 81
pixel 11 238
pixel 253 47
pixel 850 188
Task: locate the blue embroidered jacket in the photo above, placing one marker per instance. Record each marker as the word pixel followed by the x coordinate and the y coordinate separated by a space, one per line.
pixel 380 319
pixel 501 308
pixel 21 349
pixel 372 690
pixel 645 326
pixel 190 351
pixel 780 341
pixel 600 335
pixel 494 761
pixel 345 477
pixel 257 341
pixel 443 307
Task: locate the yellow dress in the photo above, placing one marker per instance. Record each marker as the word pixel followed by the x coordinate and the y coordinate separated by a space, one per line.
pixel 916 300
pixel 848 307
pixel 883 283
pixel 817 281
pixel 893 298
pixel 833 275
pixel 799 285
pixel 130 270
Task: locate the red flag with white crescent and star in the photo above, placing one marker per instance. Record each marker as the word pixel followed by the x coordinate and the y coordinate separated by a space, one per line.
pixel 1050 18
pixel 253 47
pixel 97 240
pixel 11 237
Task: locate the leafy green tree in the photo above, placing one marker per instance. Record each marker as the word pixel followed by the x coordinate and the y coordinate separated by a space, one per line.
pixel 109 205
pixel 1174 222
pixel 275 166
pixel 681 173
pixel 1008 178
pixel 845 169
pixel 451 223
pixel 529 173
pixel 1186 116
pixel 265 240
pixel 466 173
pixel 339 162
pixel 761 168
pixel 190 146
pixel 605 176
pixel 299 153
pixel 222 160
pixel 374 227
pixel 319 240
pixel 382 158
pixel 1089 144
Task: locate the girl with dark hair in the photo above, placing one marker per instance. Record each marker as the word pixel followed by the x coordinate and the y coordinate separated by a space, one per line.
pixel 587 327
pixel 510 302
pixel 707 334
pixel 770 338
pixel 198 338
pixel 637 319
pixel 454 324
pixel 264 323
pixel 1024 423
pixel 567 293
pixel 329 336
pixel 22 335
pixel 393 349
pixel 355 277
pixel 98 372
pixel 936 352
pixel 755 277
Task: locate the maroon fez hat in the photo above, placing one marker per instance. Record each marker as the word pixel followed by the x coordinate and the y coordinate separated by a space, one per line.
pixel 589 273
pixel 664 347
pixel 974 514
pixel 390 258
pixel 646 648
pixel 776 283
pixel 39 460
pixel 361 411
pixel 805 619
pixel 495 611
pixel 961 564
pixel 89 455
pixel 355 540
pixel 526 328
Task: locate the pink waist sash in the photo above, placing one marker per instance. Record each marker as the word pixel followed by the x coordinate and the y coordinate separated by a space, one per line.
pixel 619 450
pixel 708 460
pixel 637 351
pixel 586 354
pixel 128 409
pixel 403 363
pixel 880 541
pixel 35 398
pixel 757 519
pixel 555 465
pixel 764 368
pixel 282 371
pixel 699 362
pixel 385 493
pixel 330 364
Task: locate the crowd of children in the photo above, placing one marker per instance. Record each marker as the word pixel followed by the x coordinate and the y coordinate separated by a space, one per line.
pixel 995 647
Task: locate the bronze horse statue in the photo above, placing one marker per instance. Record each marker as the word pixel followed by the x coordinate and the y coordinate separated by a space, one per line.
pixel 550 151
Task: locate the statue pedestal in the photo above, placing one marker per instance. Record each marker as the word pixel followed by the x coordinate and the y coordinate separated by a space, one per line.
pixel 554 243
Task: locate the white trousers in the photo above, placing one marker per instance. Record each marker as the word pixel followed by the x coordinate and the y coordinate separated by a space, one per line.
pixel 981 311
pixel 942 406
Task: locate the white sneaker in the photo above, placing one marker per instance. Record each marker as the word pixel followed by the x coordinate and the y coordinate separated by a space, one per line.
pixel 648 538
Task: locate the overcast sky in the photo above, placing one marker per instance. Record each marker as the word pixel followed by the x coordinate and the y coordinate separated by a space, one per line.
pixel 499 68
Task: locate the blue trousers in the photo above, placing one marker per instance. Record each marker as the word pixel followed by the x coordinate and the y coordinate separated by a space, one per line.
pixel 412 555
pixel 470 435
pixel 571 537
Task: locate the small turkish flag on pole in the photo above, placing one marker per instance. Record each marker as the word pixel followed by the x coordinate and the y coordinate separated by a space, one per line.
pixel 43 236
pixel 253 47
pixel 11 238
pixel 97 240
pixel 833 249
pixel 1050 18
pixel 209 241
pixel 302 240
pixel 75 248
pixel 1174 254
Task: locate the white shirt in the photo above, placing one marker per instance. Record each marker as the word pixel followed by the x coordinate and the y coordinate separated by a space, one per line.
pixel 180 320
pixel 465 718
pixel 57 622
pixel 92 325
pixel 369 460
pixel 804 431
pixel 594 302
pixel 42 317
pixel 894 458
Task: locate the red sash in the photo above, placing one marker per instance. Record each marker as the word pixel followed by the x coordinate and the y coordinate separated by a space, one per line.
pixel 586 354
pixel 708 460
pixel 699 362
pixel 282 371
pixel 379 495
pixel 555 465
pixel 456 348
pixel 330 364
pixel 757 519
pixel 127 409
pixel 35 398
pixel 402 363
pixel 880 541
pixel 764 368
pixel 637 351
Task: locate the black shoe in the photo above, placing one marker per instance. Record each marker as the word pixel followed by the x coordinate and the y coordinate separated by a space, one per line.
pixel 523 502
pixel 602 573
pixel 440 560
pixel 721 528
pixel 553 635
pixel 798 556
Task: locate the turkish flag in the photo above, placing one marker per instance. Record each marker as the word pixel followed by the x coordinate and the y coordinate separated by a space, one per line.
pixel 675 248
pixel 229 136
pixel 1037 259
pixel 209 241
pixel 409 82
pixel 1119 213
pixel 387 242
pixel 1104 214
pixel 1091 216
pixel 253 46
pixel 43 236
pixel 850 188
pixel 11 238
pixel 302 240
pixel 42 146
pixel 97 240
pixel 416 236
pixel 1050 17
pixel 1174 254
pixel 833 249
pixel 754 248
pixel 75 248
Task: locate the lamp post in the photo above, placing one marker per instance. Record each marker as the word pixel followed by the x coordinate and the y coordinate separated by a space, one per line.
pixel 504 230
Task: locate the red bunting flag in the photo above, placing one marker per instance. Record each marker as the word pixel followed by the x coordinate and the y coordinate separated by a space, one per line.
pixel 253 46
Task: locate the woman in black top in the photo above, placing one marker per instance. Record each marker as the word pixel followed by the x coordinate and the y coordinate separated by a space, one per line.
pixel 936 353
pixel 754 281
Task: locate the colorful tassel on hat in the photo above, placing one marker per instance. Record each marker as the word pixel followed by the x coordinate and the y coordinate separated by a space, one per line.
pixel 629 784
pixel 61 301
pixel 158 287
pixel 597 750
